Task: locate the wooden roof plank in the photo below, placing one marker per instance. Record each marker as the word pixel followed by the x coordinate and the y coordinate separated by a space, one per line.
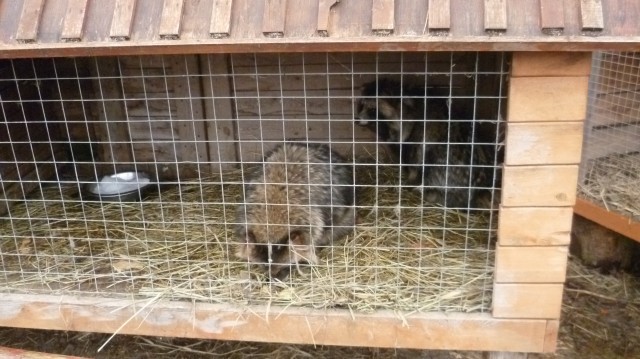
pixel 591 15
pixel 274 17
pixel 324 10
pixel 495 15
pixel 74 20
pixel 382 17
pixel 551 17
pixel 29 21
pixel 122 20
pixel 171 20
pixel 220 26
pixel 439 15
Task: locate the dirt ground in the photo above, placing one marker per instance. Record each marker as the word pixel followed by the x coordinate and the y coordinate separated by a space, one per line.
pixel 600 319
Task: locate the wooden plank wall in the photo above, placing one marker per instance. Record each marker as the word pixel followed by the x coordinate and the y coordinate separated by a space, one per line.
pixel 547 108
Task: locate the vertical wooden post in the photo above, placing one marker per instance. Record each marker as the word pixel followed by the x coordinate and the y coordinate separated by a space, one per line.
pixel 324 9
pixel 547 106
pixel 122 20
pixel 551 17
pixel 439 15
pixel 382 17
pixel 273 18
pixel 495 15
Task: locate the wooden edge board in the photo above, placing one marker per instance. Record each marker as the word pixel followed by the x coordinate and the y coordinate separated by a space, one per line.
pixel 13 353
pixel 461 331
pixel 527 300
pixel 122 20
pixel 439 15
pixel 171 19
pixel 29 21
pixel 551 338
pixel 546 226
pixel 611 220
pixel 551 64
pixel 317 44
pixel 220 26
pixel 324 11
pixel 542 264
pixel 74 20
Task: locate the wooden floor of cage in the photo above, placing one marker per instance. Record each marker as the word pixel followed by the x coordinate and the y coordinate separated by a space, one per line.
pixel 177 245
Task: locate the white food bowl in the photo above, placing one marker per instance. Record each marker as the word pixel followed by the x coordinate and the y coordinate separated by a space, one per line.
pixel 120 187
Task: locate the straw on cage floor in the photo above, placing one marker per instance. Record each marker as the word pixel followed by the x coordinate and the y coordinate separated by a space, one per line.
pixel 178 245
pixel 612 182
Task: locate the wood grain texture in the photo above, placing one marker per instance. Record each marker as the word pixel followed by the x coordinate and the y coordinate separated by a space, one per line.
pixel 614 221
pixel 171 19
pixel 462 331
pixel 12 353
pixel 526 300
pixel 539 186
pixel 74 20
pixel 548 64
pixel 531 264
pixel 545 99
pixel 220 25
pixel 122 20
pixel 532 143
pixel 551 17
pixel 382 17
pixel 324 12
pixel 439 15
pixel 273 18
pixel 495 15
pixel 545 226
pixel 505 355
pixel 591 15
pixel 29 21
pixel 551 338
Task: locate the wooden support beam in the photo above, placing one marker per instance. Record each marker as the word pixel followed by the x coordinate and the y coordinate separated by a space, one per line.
pixel 74 20
pixel 273 18
pixel 439 15
pixel 540 143
pixel 495 15
pixel 524 300
pixel 614 221
pixel 545 226
pixel 171 19
pixel 220 26
pixel 382 17
pixel 12 353
pixel 463 331
pixel 591 15
pixel 324 10
pixel 122 20
pixel 29 21
pixel 551 17
pixel 539 186
pixel 531 264
pixel 551 337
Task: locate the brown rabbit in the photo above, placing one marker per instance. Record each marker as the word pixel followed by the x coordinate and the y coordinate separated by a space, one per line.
pixel 302 197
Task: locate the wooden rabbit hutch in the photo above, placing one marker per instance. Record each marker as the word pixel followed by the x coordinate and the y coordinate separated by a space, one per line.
pixel 611 164
pixel 192 91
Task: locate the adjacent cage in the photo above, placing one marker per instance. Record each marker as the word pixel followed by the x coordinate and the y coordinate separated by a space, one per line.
pixel 196 128
pixel 611 158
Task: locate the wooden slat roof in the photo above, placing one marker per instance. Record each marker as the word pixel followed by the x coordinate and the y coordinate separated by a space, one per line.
pixel 43 28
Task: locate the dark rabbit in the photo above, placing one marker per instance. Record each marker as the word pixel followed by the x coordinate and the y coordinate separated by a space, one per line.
pixel 302 197
pixel 438 153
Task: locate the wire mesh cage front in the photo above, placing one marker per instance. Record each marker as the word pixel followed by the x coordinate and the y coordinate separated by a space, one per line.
pixel 610 173
pixel 415 137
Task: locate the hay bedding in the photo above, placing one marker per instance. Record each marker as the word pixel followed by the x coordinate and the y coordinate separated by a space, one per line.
pixel 613 182
pixel 177 246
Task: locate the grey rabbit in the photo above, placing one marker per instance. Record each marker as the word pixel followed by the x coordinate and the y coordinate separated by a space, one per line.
pixel 437 152
pixel 300 198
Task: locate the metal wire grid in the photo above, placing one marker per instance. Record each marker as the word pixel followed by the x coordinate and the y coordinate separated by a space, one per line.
pixel 611 152
pixel 198 125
